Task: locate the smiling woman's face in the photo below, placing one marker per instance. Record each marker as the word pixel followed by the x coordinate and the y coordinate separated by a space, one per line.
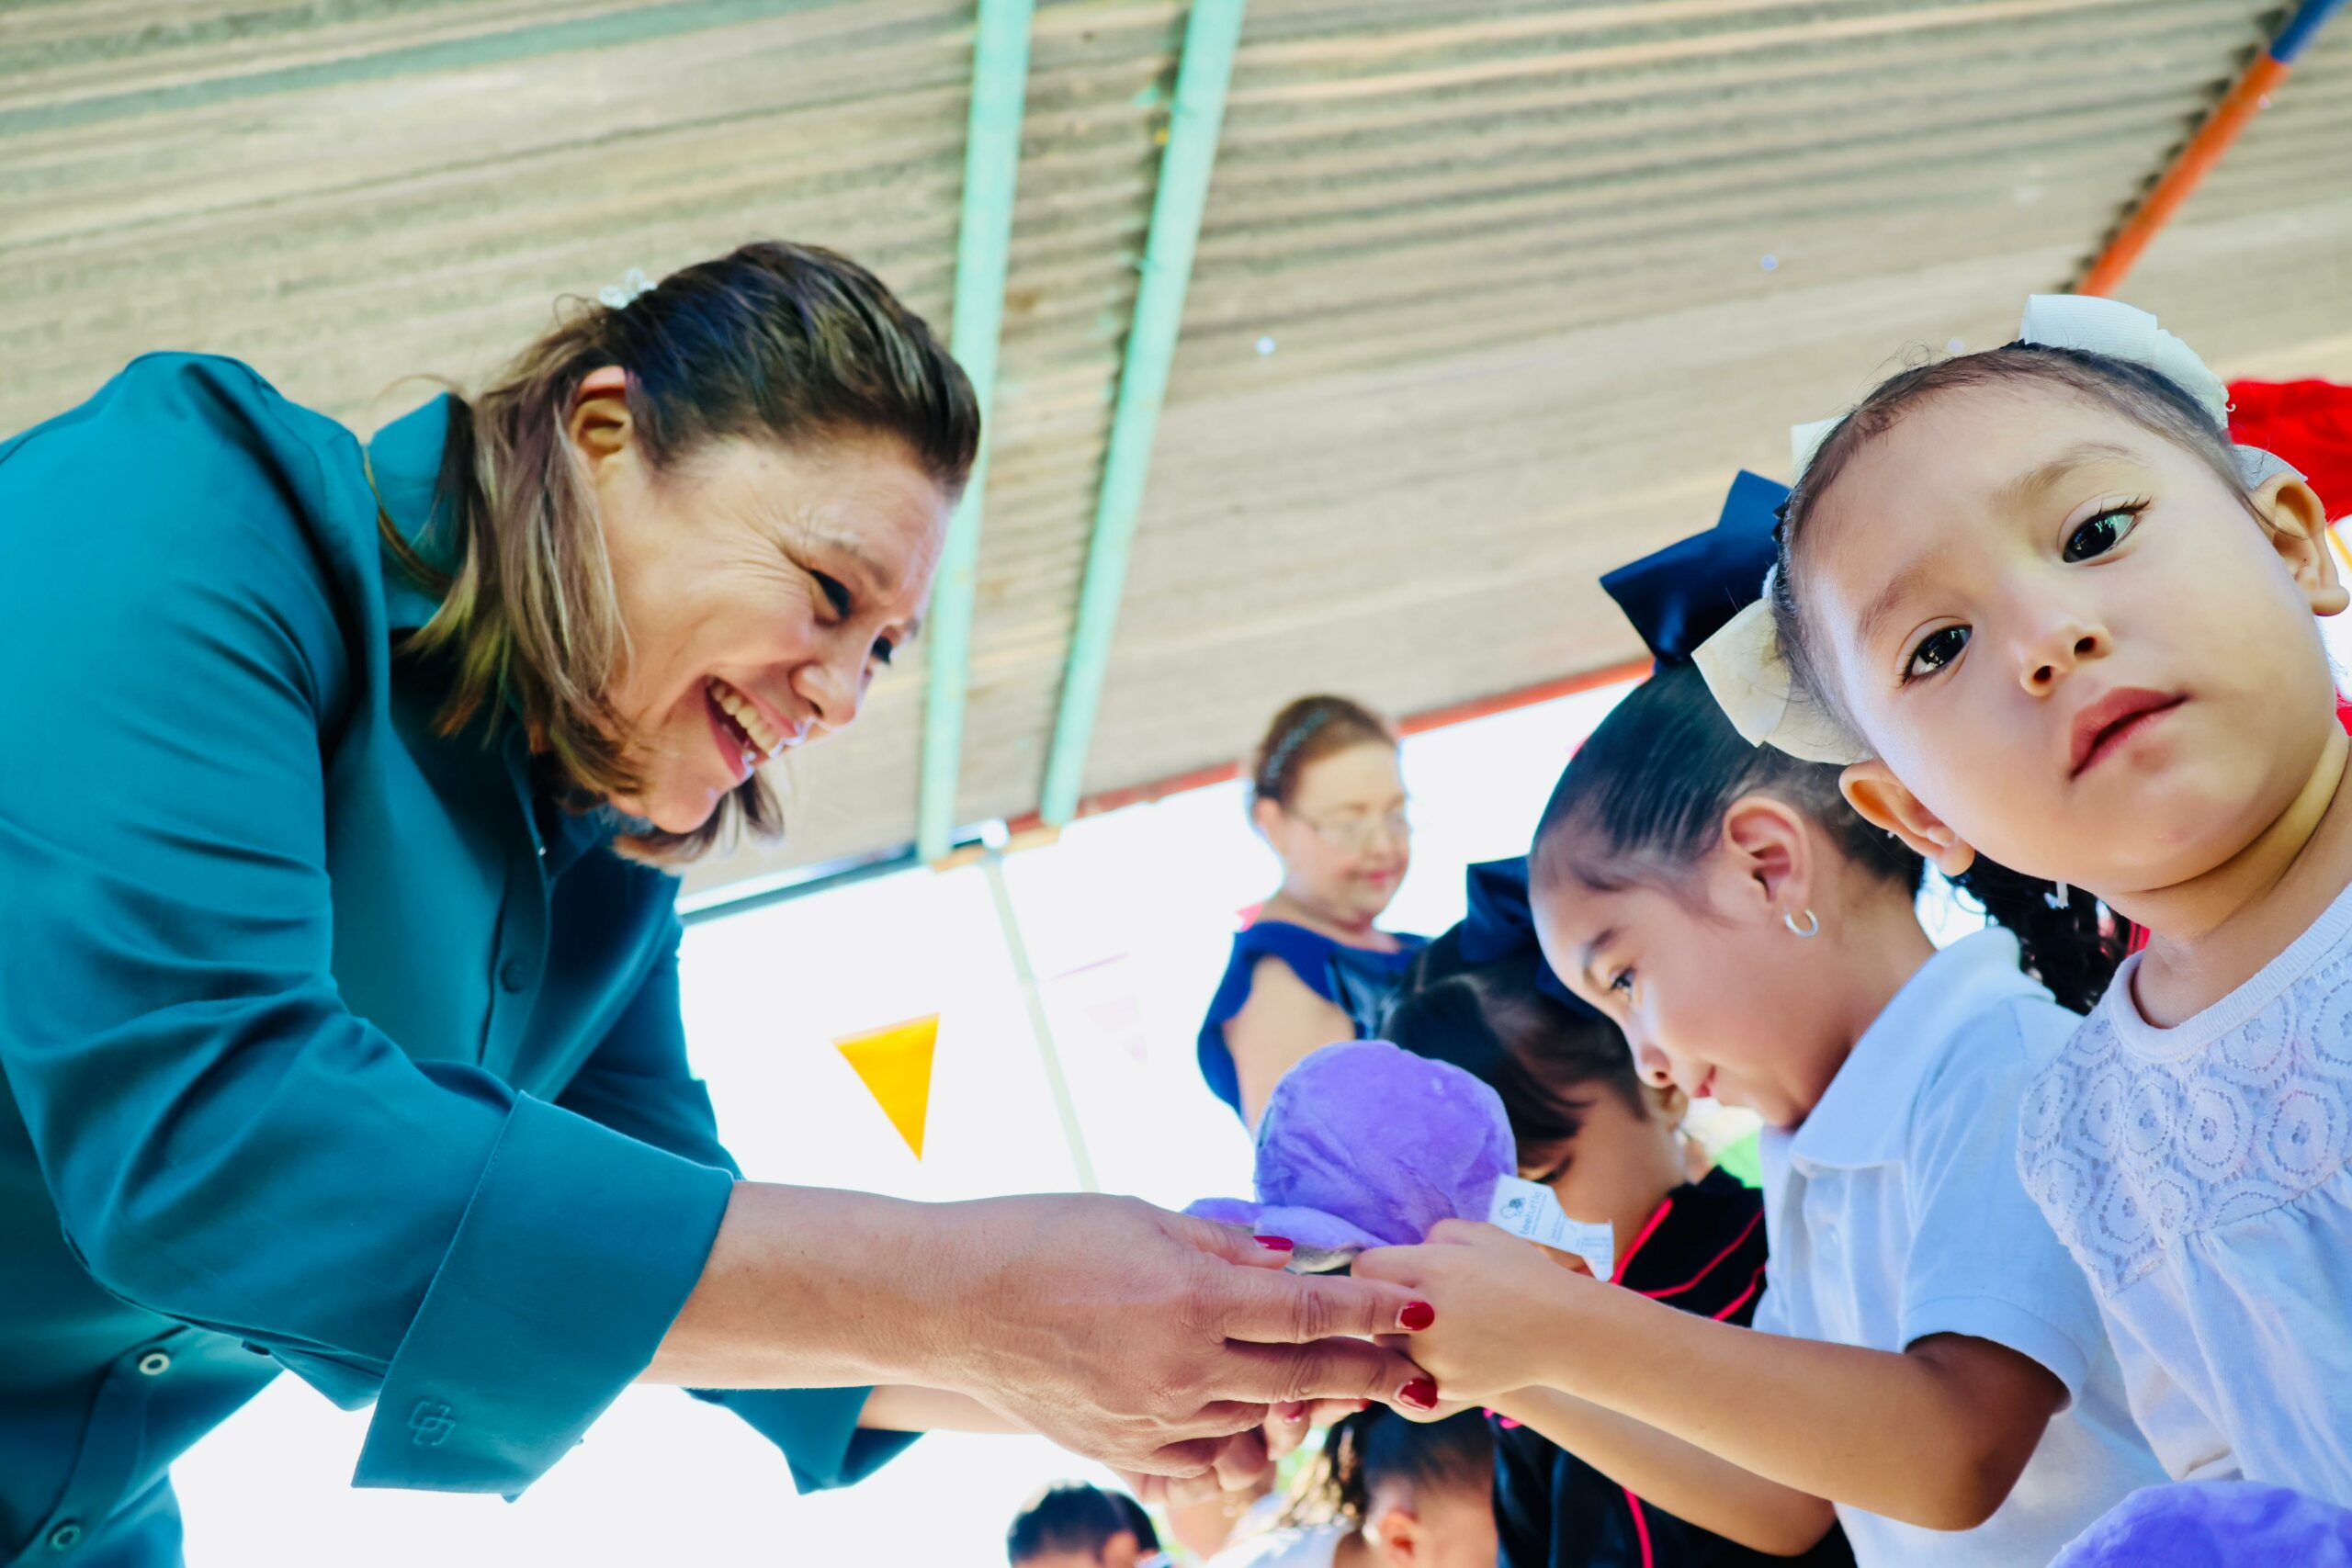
pixel 762 587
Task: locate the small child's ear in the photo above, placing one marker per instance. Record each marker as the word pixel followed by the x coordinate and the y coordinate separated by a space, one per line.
pixel 1883 801
pixel 1773 851
pixel 2297 521
pixel 1397 1535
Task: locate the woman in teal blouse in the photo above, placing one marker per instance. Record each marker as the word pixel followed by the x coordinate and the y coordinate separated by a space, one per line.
pixel 339 1025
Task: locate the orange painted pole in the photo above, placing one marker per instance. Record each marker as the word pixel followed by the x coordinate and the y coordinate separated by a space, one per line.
pixel 2204 149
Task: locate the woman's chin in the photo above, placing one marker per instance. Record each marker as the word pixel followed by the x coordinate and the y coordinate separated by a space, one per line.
pixel 673 811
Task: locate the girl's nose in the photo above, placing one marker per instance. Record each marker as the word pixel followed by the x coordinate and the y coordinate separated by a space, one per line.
pixel 2055 654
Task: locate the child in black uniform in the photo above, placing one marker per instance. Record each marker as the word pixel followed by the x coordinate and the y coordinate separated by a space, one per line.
pixel 1606 1145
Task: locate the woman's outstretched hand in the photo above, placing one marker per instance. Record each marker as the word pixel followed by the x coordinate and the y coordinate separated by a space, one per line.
pixel 1148 1339
pixel 1143 1338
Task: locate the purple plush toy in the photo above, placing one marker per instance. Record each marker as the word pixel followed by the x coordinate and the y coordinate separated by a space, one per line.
pixel 2215 1524
pixel 1365 1145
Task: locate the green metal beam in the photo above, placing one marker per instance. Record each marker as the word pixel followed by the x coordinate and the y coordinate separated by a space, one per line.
pixel 991 167
pixel 1211 38
pixel 1041 1027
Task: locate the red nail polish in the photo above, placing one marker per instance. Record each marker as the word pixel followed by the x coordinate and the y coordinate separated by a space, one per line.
pixel 1417 1316
pixel 1421 1393
pixel 1279 1243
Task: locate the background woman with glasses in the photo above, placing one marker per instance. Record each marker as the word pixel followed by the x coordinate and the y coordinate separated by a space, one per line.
pixel 1326 793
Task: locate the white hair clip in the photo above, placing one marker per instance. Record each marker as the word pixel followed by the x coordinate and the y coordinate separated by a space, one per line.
pixel 619 296
pixel 1744 664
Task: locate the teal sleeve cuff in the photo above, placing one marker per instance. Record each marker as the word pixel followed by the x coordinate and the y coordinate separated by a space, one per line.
pixel 578 1249
pixel 818 1430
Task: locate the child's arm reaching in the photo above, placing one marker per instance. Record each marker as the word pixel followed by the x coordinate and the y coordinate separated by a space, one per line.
pixel 1685 1480
pixel 1934 1436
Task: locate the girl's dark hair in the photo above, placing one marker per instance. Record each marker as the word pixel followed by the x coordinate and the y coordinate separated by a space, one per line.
pixel 771 342
pixel 1307 731
pixel 1071 1516
pixel 1546 1060
pixel 1645 798
pixel 1378 1447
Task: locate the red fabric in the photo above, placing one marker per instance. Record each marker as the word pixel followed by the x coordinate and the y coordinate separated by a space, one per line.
pixel 1617 1276
pixel 1641 1529
pixel 2307 422
pixel 1755 1285
pixel 1737 1242
pixel 2343 716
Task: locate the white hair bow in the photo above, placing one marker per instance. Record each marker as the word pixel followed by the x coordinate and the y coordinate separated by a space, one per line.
pixel 632 283
pixel 1745 667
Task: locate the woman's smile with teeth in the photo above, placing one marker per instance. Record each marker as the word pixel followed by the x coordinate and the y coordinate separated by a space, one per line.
pixel 743 718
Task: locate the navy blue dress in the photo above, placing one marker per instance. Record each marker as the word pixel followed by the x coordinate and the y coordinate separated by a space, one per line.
pixel 1310 954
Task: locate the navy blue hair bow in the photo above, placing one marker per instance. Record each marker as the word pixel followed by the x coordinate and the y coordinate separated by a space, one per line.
pixel 1502 924
pixel 1681 596
pixel 1499 925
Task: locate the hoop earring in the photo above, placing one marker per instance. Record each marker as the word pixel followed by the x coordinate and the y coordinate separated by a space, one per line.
pixel 1805 932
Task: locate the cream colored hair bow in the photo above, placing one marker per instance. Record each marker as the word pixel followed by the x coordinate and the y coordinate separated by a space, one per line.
pixel 1745 665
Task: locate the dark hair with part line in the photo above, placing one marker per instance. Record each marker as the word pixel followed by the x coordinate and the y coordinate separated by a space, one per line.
pixel 1643 800
pixel 1071 1516
pixel 1375 1447
pixel 1307 731
pixel 1547 1061
pixel 773 342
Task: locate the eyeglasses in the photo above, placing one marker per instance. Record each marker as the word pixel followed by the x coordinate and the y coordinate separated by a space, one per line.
pixel 1359 831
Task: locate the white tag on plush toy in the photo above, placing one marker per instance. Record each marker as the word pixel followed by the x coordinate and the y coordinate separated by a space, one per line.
pixel 1532 1210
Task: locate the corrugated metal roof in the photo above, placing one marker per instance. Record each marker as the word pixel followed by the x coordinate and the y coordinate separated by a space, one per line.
pixel 1488 297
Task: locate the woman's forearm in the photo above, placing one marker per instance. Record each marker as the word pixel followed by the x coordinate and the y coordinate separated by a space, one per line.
pixel 1932 1439
pixel 809 1288
pixel 1683 1480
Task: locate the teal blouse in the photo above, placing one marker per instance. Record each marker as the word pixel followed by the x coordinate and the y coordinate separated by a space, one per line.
pixel 326 1043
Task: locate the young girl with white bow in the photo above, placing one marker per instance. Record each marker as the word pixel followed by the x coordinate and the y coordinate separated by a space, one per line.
pixel 1935 1365
pixel 2046 611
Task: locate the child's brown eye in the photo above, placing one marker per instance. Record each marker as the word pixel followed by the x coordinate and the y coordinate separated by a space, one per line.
pixel 1935 649
pixel 2100 534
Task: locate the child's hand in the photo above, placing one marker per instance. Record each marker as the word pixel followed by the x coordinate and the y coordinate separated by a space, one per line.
pixel 1440 1411
pixel 1497 1300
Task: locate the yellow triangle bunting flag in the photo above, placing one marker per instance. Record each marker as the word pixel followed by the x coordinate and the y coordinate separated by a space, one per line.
pixel 895 1065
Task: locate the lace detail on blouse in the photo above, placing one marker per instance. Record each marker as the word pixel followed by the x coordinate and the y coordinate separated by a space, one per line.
pixel 2130 1155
